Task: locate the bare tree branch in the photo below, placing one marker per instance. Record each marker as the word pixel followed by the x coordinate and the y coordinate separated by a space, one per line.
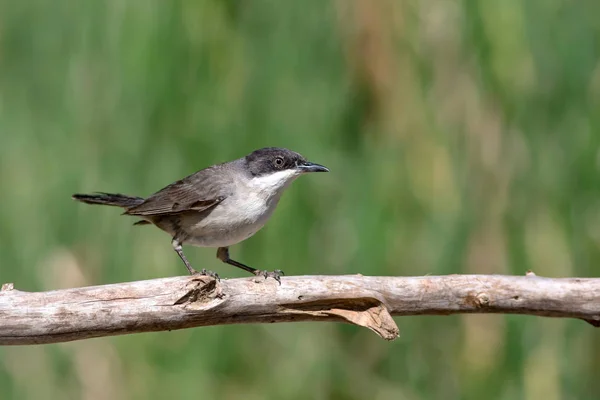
pixel 185 302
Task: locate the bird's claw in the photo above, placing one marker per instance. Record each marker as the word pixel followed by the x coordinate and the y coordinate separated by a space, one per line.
pixel 276 274
pixel 207 272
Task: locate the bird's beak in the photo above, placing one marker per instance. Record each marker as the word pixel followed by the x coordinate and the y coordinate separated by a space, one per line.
pixel 312 167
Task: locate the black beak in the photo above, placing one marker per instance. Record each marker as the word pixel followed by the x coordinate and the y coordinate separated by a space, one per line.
pixel 312 167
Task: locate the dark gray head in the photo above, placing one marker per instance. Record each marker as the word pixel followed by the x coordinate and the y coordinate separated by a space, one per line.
pixel 270 160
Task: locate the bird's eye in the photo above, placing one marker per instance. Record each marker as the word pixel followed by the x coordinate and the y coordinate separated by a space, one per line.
pixel 278 162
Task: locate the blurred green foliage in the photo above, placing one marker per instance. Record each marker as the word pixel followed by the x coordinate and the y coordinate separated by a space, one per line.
pixel 462 137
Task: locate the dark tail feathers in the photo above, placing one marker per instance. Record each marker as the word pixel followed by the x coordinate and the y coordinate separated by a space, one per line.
pixel 109 199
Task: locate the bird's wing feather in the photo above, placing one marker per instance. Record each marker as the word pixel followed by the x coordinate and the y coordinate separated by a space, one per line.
pixel 193 193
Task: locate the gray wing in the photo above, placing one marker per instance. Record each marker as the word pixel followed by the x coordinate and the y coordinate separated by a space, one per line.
pixel 194 193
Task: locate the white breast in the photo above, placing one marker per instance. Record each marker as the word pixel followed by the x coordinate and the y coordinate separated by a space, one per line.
pixel 242 214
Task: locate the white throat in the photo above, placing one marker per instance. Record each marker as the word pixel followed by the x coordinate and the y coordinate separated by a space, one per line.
pixel 273 184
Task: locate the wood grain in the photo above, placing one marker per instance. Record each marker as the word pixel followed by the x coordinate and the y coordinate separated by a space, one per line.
pixel 192 301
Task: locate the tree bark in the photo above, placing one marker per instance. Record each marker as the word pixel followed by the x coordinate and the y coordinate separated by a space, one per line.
pixel 185 302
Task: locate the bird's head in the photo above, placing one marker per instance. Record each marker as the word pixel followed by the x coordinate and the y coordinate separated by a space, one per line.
pixel 274 168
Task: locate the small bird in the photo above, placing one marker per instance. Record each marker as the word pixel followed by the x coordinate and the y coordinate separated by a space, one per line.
pixel 218 206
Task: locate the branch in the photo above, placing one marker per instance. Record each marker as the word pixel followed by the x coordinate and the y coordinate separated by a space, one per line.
pixel 185 302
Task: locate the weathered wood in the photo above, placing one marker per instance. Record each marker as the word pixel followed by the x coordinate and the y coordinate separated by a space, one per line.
pixel 185 302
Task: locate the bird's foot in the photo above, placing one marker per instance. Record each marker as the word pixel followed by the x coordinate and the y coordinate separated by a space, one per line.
pixel 277 274
pixel 207 272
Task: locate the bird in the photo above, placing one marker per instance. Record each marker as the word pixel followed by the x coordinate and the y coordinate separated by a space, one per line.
pixel 217 206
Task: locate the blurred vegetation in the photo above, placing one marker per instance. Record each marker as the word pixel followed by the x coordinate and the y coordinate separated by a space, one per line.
pixel 462 137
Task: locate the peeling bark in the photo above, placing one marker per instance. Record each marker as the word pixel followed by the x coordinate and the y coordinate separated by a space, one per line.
pixel 185 302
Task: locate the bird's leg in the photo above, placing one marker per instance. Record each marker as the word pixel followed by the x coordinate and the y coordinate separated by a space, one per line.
pixel 179 250
pixel 223 255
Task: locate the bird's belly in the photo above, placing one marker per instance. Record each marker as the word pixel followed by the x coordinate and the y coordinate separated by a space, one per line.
pixel 221 236
pixel 228 224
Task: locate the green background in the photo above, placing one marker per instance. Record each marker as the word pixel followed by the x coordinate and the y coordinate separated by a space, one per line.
pixel 462 137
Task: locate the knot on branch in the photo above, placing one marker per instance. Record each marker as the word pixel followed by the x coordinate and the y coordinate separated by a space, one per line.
pixel 7 286
pixel 199 289
pixel 478 300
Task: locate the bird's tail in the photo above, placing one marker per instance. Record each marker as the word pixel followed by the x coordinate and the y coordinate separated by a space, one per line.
pixel 109 199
